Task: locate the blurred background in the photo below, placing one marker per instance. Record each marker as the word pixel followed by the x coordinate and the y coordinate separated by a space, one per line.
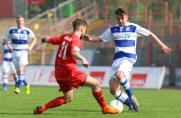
pixel 54 17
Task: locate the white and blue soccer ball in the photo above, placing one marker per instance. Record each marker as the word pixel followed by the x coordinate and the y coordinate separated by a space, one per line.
pixel 116 104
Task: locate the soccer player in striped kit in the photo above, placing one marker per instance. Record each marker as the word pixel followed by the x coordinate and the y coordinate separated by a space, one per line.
pixel 7 66
pixel 18 39
pixel 124 34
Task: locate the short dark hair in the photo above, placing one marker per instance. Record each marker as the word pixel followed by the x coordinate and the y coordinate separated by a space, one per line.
pixel 77 23
pixel 120 12
pixel 19 16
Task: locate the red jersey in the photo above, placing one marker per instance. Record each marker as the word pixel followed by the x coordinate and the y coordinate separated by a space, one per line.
pixel 65 61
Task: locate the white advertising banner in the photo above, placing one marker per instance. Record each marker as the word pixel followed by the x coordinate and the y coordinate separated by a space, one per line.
pixel 141 77
pixel 178 77
pixel 37 75
pixel 147 77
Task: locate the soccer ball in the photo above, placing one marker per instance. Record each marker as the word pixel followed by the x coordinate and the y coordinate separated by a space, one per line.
pixel 116 104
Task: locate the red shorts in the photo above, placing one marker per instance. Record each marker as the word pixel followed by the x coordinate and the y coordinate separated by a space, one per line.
pixel 71 79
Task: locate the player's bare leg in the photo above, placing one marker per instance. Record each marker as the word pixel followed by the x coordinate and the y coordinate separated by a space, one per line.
pixel 97 93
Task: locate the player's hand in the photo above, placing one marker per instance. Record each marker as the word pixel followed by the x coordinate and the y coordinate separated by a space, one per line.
pixel 85 37
pixel 166 49
pixel 44 40
pixel 29 48
pixel 85 63
pixel 10 48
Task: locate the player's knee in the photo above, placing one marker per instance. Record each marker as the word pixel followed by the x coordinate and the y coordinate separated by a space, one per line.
pixel 68 99
pixel 120 75
pixel 96 85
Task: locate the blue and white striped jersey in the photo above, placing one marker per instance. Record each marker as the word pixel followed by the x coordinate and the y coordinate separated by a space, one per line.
pixel 19 38
pixel 7 53
pixel 125 39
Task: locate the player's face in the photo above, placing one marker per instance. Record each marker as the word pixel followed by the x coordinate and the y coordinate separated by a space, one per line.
pixel 20 22
pixel 123 20
pixel 83 29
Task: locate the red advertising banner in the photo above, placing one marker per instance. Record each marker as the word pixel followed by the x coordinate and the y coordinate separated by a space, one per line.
pixel 138 79
pixel 32 2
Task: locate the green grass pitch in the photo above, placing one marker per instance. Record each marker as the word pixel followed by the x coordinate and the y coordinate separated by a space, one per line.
pixel 153 104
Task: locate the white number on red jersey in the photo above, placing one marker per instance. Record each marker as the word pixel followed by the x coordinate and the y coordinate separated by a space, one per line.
pixel 63 50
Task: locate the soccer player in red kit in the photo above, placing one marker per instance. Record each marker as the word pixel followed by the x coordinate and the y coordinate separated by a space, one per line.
pixel 66 73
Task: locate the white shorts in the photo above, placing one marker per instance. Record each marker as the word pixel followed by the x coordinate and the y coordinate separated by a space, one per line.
pixel 125 66
pixel 20 58
pixel 8 67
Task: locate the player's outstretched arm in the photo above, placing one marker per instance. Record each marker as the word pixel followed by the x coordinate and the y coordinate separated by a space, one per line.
pixel 91 39
pixel 78 56
pixel 163 47
pixel 53 40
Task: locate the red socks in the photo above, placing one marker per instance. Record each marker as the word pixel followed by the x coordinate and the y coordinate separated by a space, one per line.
pixel 99 97
pixel 55 103
pixel 61 100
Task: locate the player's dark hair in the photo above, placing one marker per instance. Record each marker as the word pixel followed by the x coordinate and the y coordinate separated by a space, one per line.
pixel 120 12
pixel 77 23
pixel 19 16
